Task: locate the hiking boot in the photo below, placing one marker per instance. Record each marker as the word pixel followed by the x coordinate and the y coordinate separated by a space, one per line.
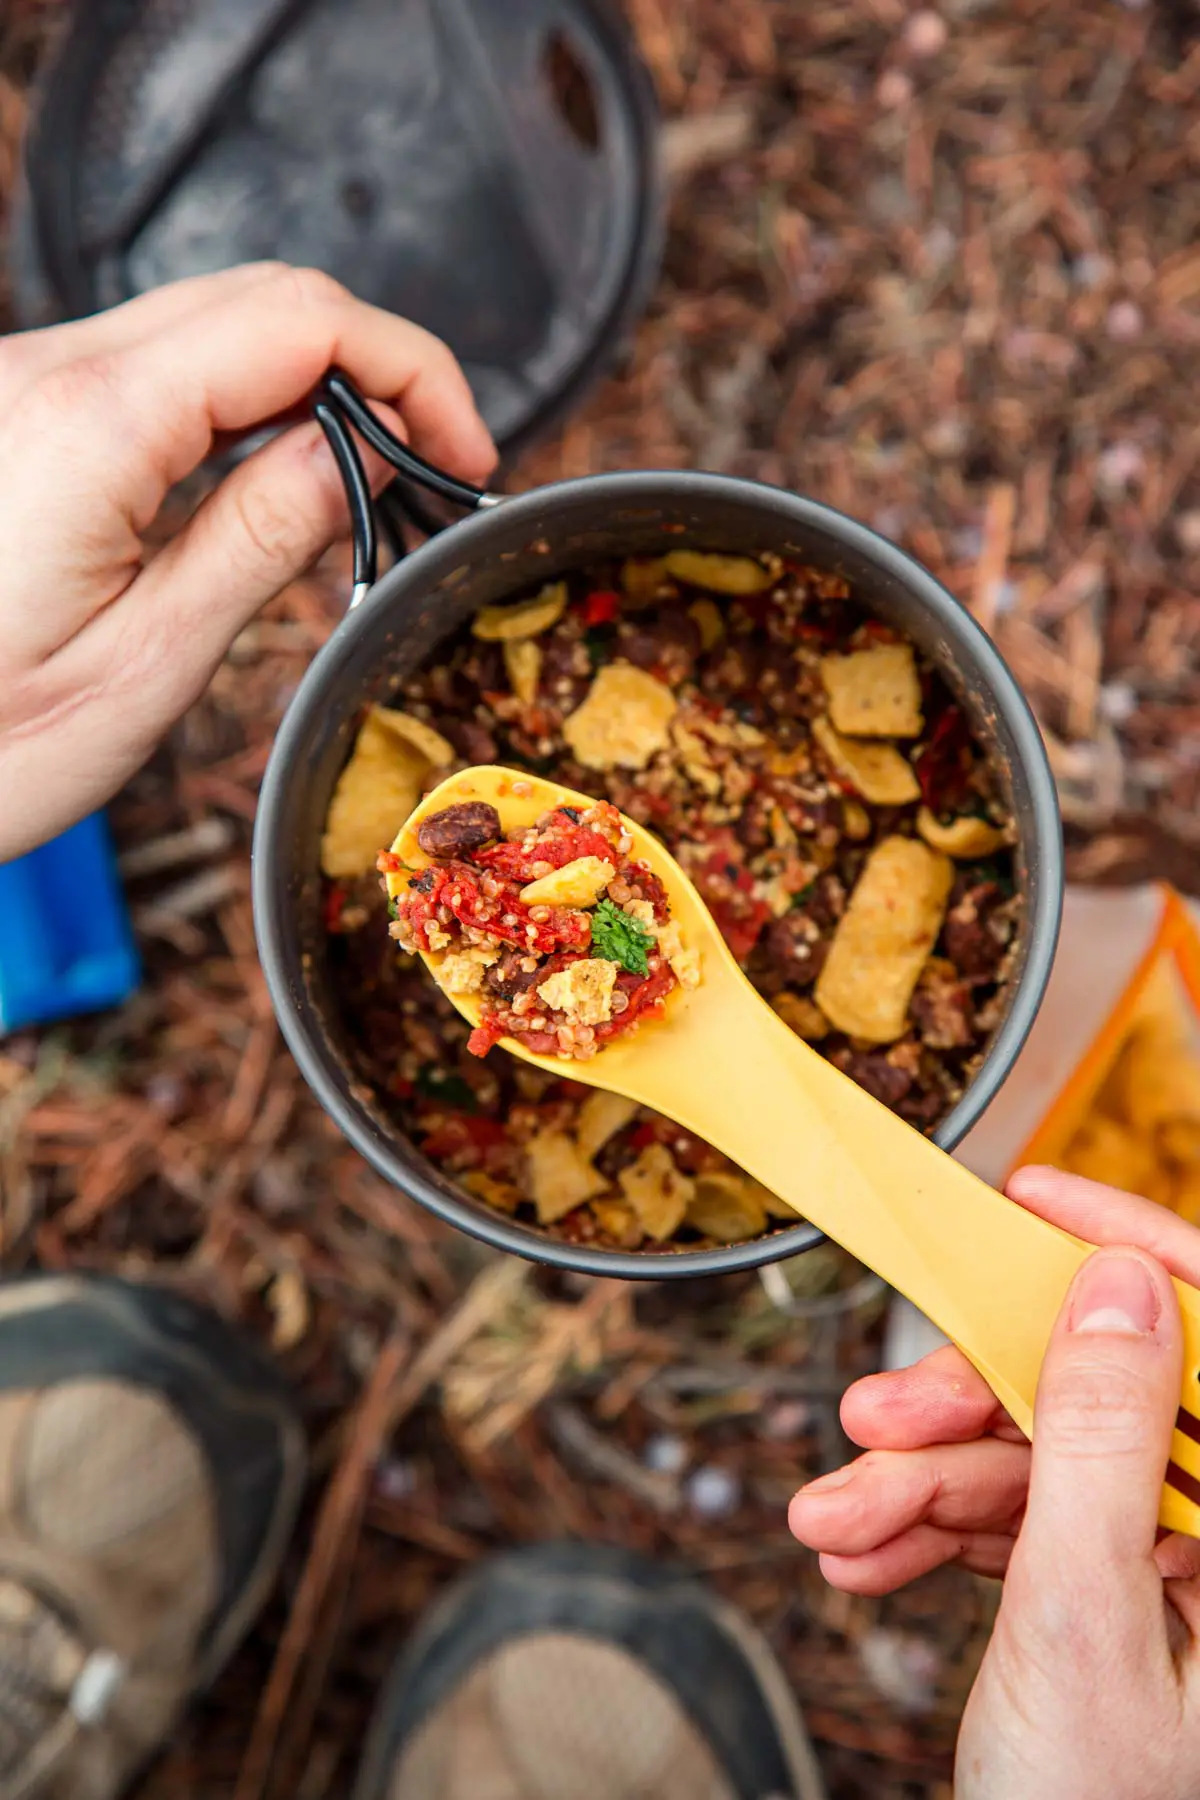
pixel 576 1672
pixel 150 1468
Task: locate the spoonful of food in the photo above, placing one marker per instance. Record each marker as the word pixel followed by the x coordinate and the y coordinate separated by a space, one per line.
pixel 601 959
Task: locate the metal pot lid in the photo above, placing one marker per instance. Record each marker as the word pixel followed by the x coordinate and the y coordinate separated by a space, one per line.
pixel 487 170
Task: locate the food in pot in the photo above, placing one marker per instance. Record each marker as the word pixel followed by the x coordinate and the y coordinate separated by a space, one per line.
pixel 567 939
pixel 812 774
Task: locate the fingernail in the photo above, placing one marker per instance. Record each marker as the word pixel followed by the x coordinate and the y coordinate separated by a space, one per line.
pixel 1114 1294
pixel 825 1484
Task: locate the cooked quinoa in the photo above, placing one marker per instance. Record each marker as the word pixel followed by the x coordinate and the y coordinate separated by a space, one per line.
pixel 812 774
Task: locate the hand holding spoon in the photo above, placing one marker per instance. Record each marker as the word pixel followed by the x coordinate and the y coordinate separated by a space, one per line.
pixel 723 1065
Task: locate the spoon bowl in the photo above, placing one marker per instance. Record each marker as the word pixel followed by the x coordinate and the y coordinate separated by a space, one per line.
pixel 664 1060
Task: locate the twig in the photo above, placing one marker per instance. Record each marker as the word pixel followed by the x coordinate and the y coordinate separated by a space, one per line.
pixel 337 1527
pixel 601 1456
pixel 208 837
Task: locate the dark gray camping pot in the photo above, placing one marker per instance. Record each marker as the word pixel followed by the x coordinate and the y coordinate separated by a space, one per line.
pixel 500 550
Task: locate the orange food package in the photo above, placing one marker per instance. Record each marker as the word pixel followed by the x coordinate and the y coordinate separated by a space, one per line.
pixel 1108 1085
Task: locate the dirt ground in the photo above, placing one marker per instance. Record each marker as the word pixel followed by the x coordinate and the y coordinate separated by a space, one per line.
pixel 939 268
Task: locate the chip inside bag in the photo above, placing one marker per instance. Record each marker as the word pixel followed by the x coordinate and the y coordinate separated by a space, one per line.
pixel 1108 1085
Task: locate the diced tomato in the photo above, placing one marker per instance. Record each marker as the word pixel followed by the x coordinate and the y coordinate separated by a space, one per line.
pixel 659 806
pixel 458 1132
pixel 388 863
pixel 817 631
pixel 739 916
pixel 573 1090
pixel 456 886
pixel 557 845
pixel 943 766
pixel 645 1135
pixel 649 994
pixel 741 929
pixel 403 1090
pixel 335 901
pixel 484 1037
pixel 601 608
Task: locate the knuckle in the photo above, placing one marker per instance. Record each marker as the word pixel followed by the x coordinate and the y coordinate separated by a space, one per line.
pixel 273 534
pixel 269 268
pixel 58 398
pixel 309 287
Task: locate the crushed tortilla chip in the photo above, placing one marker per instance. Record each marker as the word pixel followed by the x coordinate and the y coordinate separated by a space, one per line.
pixel 601 1116
pixel 583 991
pixel 375 793
pixel 964 837
pixel 684 960
pixel 727 1207
pixel 430 744
pixel 644 579
pixel 658 1192
pixel 617 1219
pixel 720 574
pixel 802 1014
pixel 883 940
pixel 875 692
pixel 524 618
pixel 1105 1150
pixel 578 883
pixel 1142 1131
pixel 501 1195
pixel 1179 1141
pixel 560 1177
pixel 877 771
pixel 461 971
pixel 1156 1079
pixel 624 719
pixel 708 621
pixel 523 665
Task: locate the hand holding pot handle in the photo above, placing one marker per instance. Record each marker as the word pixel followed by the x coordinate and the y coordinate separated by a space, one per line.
pixel 102 645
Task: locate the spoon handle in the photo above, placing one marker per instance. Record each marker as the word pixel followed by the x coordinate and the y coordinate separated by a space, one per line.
pixel 990 1274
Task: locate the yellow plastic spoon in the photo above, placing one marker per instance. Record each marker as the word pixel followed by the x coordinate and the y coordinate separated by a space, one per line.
pixel 722 1064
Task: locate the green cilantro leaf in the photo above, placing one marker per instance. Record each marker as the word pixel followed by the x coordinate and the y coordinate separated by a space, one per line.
pixel 620 939
pixel 443 1085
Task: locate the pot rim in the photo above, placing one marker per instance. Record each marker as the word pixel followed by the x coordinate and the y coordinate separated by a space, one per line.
pixel 431 563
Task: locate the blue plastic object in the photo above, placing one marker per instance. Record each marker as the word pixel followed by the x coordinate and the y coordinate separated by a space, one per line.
pixel 66 946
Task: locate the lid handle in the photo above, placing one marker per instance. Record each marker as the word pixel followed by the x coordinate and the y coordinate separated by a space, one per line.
pixel 340 405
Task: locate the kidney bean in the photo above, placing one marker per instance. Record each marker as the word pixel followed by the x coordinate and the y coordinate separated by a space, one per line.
pixel 457 830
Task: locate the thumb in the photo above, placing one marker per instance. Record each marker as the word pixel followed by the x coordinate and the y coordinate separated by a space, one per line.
pixel 1106 1405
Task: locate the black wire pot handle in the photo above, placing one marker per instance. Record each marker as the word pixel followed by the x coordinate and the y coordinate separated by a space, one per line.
pixel 340 409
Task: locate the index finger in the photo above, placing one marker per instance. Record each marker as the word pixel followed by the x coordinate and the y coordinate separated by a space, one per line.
pixel 942 1399
pixel 231 366
pixel 1106 1215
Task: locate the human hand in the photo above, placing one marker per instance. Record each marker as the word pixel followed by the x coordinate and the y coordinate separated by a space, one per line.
pixel 1090 1683
pixel 102 648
